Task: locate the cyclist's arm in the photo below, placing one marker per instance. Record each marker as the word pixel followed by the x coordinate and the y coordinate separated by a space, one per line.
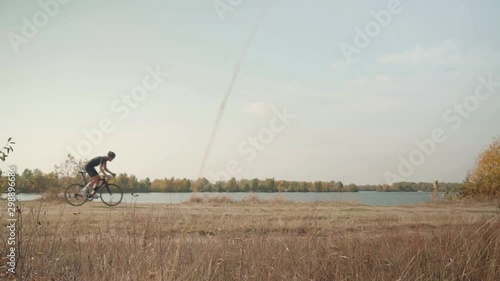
pixel 104 168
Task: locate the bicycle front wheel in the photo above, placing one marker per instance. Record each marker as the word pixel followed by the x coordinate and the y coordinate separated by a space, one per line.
pixel 111 194
pixel 74 195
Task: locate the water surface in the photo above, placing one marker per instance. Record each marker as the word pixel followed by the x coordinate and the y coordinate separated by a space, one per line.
pixel 362 197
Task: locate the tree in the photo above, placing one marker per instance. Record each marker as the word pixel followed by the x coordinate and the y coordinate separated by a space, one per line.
pixel 200 184
pixel 67 171
pixel 484 178
pixel 303 187
pixel 317 187
pixel 254 185
pixel 122 180
pixel 4 152
pixel 38 182
pixel 3 183
pixel 144 185
pixel 157 185
pixel 185 185
pixel 232 185
pixel 24 180
pixel 339 186
pixel 282 186
pixel 219 186
pixel 292 186
pixel 352 188
pixel 269 185
pixel 133 184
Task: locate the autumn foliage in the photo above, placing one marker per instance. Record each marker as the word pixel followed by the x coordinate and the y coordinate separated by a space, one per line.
pixel 484 178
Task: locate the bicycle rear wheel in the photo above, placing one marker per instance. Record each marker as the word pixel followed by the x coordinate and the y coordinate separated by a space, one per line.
pixel 73 195
pixel 111 194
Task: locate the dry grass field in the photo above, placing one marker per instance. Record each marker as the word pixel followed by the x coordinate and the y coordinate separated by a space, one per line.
pixel 256 240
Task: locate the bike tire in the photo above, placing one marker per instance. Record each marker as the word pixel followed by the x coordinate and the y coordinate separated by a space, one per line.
pixel 73 195
pixel 111 194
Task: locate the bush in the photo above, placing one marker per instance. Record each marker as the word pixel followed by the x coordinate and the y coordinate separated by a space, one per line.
pixel 484 178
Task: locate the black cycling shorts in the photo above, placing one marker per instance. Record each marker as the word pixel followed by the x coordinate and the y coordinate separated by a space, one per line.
pixel 91 171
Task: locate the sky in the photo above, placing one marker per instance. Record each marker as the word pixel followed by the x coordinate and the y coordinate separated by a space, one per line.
pixel 364 92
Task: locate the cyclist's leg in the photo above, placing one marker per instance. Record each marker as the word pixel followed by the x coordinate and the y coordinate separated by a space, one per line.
pixel 94 179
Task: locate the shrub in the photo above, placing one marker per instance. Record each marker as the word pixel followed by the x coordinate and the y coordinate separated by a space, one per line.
pixel 484 178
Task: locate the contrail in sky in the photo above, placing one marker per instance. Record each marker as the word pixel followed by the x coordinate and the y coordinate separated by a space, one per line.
pixel 229 90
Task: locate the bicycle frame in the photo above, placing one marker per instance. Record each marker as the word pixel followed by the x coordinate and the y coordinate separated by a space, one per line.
pixel 84 178
pixel 102 182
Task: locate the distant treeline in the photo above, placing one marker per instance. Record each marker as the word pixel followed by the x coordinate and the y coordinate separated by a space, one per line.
pixel 35 181
pixel 413 186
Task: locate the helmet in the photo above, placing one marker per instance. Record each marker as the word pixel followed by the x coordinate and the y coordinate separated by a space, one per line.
pixel 111 154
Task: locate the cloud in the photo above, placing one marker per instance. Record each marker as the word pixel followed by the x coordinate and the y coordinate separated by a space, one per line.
pixel 321 94
pixel 450 54
pixel 338 63
pixel 370 104
pixel 259 109
pixel 383 78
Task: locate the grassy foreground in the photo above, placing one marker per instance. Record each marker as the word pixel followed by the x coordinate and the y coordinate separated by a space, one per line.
pixel 255 240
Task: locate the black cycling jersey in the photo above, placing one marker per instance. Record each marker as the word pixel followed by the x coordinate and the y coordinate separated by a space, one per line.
pixel 97 161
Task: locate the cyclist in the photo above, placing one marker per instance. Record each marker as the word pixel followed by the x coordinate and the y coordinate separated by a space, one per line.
pixel 90 169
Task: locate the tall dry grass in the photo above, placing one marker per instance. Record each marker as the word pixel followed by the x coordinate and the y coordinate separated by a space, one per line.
pixel 214 199
pixel 257 242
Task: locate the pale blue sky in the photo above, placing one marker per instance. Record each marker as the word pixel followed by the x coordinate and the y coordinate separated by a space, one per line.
pixel 352 120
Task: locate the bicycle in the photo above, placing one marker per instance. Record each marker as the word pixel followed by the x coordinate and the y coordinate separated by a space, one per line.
pixel 110 194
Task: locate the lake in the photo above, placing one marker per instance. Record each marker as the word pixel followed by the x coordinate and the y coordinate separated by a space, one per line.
pixel 362 197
